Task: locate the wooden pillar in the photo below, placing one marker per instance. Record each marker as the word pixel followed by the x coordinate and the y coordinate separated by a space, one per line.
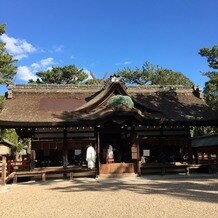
pixel 162 154
pixel 32 154
pixel 65 152
pixel 32 159
pixel 4 170
pixel 135 152
pixel 15 179
pixel 138 161
pixel 98 152
pixel 43 177
pixel 190 153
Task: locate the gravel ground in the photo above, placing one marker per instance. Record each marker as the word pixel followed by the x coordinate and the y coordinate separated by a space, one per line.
pixel 151 196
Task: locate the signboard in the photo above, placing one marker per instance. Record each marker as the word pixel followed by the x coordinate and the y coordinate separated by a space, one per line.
pixel 146 153
pixel 134 153
pixel 4 150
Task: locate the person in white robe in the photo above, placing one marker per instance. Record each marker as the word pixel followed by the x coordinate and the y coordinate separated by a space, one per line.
pixel 110 154
pixel 90 157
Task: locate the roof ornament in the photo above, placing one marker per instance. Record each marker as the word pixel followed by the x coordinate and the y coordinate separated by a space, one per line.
pixel 197 91
pixel 9 93
pixel 120 102
pixel 115 78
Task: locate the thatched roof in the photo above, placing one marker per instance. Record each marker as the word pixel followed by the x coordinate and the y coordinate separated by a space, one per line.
pixel 59 105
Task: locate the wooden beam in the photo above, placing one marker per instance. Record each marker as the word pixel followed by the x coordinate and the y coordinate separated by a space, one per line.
pixel 4 170
pixel 190 157
pixel 98 151
pixel 65 151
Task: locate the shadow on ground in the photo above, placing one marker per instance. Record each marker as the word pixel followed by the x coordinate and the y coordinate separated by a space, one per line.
pixel 195 188
pixel 203 188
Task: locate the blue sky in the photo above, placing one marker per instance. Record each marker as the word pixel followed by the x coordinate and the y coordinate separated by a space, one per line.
pixel 104 36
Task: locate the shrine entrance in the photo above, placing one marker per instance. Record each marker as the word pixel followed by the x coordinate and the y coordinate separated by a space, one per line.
pixel 115 157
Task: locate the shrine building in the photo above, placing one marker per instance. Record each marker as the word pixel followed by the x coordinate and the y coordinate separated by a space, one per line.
pixel 145 125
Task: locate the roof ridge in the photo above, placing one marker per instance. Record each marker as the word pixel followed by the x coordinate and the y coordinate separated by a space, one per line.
pixel 69 86
pixel 52 86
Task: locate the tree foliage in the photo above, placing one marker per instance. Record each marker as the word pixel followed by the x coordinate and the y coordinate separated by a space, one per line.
pixel 211 55
pixel 211 87
pixel 210 92
pixel 7 67
pixel 203 130
pixel 1 101
pixel 153 75
pixel 61 75
pixel 11 136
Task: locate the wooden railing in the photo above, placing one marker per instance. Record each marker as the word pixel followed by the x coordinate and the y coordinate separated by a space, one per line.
pixel 14 165
pixel 164 168
pixel 9 167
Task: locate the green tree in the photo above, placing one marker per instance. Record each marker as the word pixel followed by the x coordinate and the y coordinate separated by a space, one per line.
pixel 11 136
pixel 169 77
pixel 61 75
pixel 153 75
pixel 210 91
pixel 211 55
pixel 211 86
pixel 1 101
pixel 7 67
pixel 203 130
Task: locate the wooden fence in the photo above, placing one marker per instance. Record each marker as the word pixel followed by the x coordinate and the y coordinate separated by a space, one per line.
pixel 21 165
pixel 8 167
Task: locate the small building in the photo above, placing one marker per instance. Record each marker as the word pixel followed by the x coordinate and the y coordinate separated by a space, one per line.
pixel 149 123
pixel 205 148
pixel 5 147
pixel 5 150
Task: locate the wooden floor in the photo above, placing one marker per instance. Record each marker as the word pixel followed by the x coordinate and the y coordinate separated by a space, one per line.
pixel 53 172
pixel 116 168
pixel 106 170
pixel 177 168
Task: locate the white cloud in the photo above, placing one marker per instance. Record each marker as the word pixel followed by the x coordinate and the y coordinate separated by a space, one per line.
pixel 46 62
pixel 35 66
pixel 127 62
pixel 58 48
pixel 124 63
pixel 19 57
pixel 19 48
pixel 25 73
pixel 42 64
pixel 49 68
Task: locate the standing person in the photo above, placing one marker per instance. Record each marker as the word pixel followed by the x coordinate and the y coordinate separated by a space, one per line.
pixel 110 154
pixel 90 156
